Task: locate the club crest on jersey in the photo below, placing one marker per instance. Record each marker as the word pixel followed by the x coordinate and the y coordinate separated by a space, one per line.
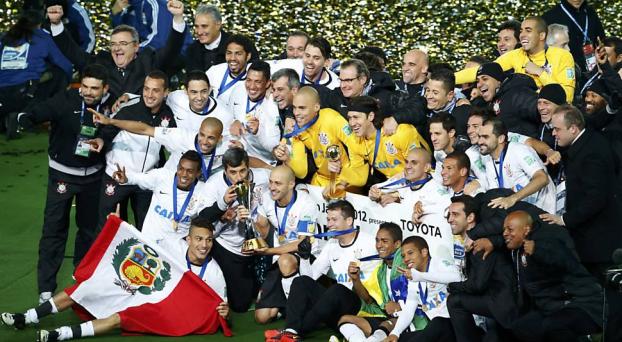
pixel 61 187
pixel 110 189
pixel 497 107
pixel 390 147
pixel 139 268
pixel 165 121
pixel 324 138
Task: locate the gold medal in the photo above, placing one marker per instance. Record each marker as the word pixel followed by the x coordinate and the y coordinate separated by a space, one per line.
pixel 175 225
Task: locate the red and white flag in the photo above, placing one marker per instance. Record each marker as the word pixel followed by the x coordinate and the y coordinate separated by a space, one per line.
pixel 153 292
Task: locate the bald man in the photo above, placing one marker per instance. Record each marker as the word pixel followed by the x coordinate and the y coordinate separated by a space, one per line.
pixel 315 131
pixel 414 72
pixel 548 272
pixel 285 217
pixel 208 142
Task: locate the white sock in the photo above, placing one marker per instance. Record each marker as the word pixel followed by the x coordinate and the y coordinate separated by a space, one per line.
pixel 64 333
pixel 286 283
pixel 87 329
pixel 377 336
pixel 351 332
pixel 54 308
pixel 31 316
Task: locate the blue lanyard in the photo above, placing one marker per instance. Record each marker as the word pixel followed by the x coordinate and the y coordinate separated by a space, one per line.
pixel 297 130
pixel 423 295
pixel 586 38
pixel 206 109
pixel 82 112
pixel 377 144
pixel 303 78
pixel 377 257
pixel 334 233
pixel 224 86
pixel 248 104
pixel 205 171
pixel 500 172
pixel 177 217
pixel 224 176
pixel 406 183
pixel 283 222
pixel 203 267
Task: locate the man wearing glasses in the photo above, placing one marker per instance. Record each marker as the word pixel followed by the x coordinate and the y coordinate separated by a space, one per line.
pixel 127 68
pixel 356 80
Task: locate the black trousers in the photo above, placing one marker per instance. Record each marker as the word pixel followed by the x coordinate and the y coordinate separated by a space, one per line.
pixel 438 330
pixel 462 306
pixel 309 304
pixel 112 193
pixel 239 277
pixel 613 332
pixel 62 189
pixel 565 325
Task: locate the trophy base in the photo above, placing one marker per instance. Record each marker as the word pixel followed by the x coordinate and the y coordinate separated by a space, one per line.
pixel 253 244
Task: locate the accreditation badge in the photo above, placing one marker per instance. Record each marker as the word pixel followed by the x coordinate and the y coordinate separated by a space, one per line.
pixel 83 148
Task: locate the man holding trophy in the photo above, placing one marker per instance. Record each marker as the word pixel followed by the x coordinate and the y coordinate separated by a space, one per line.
pixel 285 217
pixel 233 189
pixel 326 134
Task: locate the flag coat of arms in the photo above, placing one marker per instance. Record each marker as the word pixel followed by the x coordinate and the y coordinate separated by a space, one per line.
pixel 152 290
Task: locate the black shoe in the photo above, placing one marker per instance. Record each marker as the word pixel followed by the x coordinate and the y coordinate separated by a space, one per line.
pixel 47 335
pixel 15 320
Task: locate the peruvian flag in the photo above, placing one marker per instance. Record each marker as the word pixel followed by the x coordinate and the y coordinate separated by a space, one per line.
pixel 152 290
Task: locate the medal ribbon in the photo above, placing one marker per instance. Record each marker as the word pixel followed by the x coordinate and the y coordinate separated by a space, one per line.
pixel 586 38
pixel 499 173
pixel 297 130
pixel 224 86
pixel 283 222
pixel 205 171
pixel 177 217
pixel 423 295
pixel 203 267
pixel 334 233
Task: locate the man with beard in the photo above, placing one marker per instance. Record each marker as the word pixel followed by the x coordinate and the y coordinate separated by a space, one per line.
pixel 137 153
pixel 226 77
pixel 542 63
pixel 515 166
pixel 194 104
pixel 312 68
pixel 75 165
pixel 126 66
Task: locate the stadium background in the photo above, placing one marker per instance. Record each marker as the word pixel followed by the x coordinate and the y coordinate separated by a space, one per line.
pixel 451 30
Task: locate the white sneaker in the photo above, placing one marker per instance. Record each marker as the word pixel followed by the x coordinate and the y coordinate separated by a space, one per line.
pixel 44 297
pixel 333 338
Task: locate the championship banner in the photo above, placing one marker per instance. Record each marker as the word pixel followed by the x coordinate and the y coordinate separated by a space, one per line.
pixel 152 290
pixel 369 215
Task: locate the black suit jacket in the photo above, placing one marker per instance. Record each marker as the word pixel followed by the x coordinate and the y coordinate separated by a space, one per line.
pixel 134 75
pixel 593 215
